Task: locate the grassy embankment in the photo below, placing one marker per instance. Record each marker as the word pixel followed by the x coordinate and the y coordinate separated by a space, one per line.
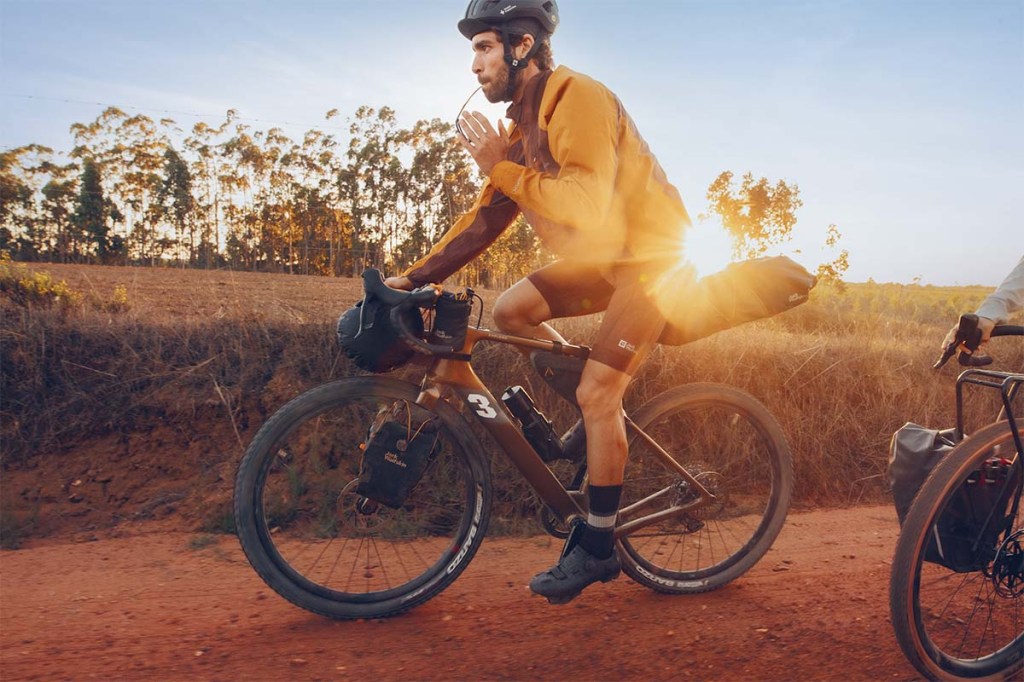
pixel 158 374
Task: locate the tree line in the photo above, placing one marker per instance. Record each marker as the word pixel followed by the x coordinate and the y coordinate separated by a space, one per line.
pixel 138 191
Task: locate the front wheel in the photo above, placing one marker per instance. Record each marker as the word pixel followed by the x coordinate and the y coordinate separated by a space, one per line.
pixel 734 448
pixel 957 595
pixel 311 535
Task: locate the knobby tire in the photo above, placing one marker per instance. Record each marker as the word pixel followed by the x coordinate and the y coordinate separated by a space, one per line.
pixel 317 543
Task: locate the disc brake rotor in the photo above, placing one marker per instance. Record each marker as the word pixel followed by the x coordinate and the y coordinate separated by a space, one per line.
pixel 359 514
pixel 1008 567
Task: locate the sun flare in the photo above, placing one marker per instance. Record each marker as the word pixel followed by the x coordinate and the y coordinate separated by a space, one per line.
pixel 707 247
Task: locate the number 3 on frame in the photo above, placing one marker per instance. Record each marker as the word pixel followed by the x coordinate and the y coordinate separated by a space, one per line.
pixel 483 405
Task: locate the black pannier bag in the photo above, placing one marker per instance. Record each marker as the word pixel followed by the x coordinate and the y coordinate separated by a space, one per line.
pixel 966 536
pixel 961 540
pixel 742 292
pixel 396 454
pixel 913 452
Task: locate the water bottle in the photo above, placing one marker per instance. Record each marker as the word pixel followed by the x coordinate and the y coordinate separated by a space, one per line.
pixel 536 427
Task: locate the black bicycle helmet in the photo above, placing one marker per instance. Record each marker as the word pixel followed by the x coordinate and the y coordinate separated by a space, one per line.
pixel 515 16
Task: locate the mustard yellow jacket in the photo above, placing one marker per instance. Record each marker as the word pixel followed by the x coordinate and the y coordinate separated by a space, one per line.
pixel 582 176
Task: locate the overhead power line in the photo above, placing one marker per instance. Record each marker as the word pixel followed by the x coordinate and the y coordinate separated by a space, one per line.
pixel 172 112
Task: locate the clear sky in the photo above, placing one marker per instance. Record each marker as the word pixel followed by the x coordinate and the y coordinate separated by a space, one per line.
pixel 900 120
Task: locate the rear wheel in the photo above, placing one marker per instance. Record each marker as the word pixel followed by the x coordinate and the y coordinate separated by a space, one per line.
pixel 967 624
pixel 734 448
pixel 315 540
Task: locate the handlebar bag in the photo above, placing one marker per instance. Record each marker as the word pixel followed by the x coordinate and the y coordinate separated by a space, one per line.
pixel 369 339
pixel 742 292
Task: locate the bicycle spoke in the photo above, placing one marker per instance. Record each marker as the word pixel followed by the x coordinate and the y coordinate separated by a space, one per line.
pixel 334 566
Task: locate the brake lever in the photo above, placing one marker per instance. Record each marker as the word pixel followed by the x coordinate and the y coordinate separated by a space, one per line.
pixel 967 340
pixel 946 355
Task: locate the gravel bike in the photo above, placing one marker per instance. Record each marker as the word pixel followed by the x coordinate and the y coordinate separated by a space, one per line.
pixel 707 484
pixel 957 584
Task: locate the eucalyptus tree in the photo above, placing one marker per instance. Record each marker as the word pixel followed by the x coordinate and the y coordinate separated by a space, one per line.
pixel 441 186
pixel 370 183
pixel 273 199
pixel 317 225
pixel 30 181
pixel 17 207
pixel 250 181
pixel 206 165
pixel 130 151
pixel 141 148
pixel 176 203
pixel 758 215
pixel 95 214
pixel 234 192
pixel 60 197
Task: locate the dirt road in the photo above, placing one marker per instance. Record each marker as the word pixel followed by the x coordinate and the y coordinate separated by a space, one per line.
pixel 157 604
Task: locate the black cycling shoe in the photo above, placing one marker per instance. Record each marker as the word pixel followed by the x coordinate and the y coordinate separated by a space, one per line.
pixel 576 570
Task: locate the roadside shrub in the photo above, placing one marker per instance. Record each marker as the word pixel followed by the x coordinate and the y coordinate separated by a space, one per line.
pixel 34 289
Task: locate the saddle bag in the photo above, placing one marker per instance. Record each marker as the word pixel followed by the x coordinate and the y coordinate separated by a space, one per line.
pixel 396 455
pixel 742 292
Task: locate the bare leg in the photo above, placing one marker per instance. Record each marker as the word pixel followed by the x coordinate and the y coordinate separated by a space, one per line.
pixel 589 555
pixel 521 310
pixel 600 398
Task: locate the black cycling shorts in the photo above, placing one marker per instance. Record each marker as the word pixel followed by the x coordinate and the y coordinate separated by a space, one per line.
pixel 632 322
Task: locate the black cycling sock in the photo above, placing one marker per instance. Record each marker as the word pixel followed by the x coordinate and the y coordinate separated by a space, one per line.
pixel 599 535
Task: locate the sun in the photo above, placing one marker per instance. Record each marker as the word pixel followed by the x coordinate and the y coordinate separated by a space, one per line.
pixel 707 247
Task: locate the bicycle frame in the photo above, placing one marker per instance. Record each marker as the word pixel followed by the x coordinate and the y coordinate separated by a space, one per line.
pixel 454 370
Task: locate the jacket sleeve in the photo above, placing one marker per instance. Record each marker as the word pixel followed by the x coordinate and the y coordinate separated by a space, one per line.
pixel 583 139
pixel 1007 298
pixel 471 234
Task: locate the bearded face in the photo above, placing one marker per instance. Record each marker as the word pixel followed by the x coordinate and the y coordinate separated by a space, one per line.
pixel 492 72
pixel 496 89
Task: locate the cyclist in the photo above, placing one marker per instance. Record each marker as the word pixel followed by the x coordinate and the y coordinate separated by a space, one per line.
pixel 1000 304
pixel 574 164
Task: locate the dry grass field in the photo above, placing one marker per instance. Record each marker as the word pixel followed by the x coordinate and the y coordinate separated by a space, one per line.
pixel 133 397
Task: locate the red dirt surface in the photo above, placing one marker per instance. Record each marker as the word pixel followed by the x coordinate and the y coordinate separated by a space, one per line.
pixel 156 604
pixel 124 588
